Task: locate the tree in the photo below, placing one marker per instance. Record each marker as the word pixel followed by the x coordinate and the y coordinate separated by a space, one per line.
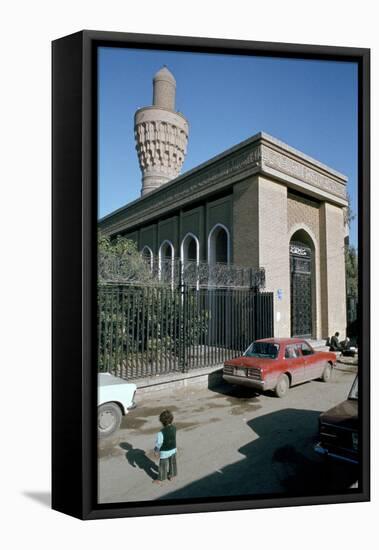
pixel 351 271
pixel 351 266
pixel 349 215
pixel 120 261
pixel 351 257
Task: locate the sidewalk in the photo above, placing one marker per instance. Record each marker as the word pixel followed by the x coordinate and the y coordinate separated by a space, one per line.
pixel 347 364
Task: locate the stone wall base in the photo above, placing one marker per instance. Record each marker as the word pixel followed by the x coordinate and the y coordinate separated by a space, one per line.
pixel 205 377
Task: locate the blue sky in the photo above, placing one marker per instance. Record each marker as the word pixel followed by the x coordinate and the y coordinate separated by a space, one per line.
pixel 311 105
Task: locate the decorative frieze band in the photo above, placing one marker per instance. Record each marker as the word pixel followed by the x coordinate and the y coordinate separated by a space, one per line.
pixel 215 175
pixel 302 172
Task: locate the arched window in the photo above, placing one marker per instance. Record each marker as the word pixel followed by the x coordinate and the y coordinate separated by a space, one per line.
pixel 190 256
pixel 166 257
pixel 219 245
pixel 190 249
pixel 147 254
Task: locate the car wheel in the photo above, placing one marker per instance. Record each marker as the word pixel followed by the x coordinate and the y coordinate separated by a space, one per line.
pixel 282 386
pixel 327 374
pixel 109 418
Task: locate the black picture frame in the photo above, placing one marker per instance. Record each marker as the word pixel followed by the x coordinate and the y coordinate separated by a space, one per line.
pixel 74 205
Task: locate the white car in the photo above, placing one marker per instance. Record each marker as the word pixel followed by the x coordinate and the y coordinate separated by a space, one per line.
pixel 115 397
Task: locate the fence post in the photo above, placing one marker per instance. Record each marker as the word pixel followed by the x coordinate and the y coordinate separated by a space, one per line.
pixel 255 293
pixel 182 320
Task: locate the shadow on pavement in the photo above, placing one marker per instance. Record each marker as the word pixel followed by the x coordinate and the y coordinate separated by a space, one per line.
pixel 137 459
pixel 280 460
pixel 234 391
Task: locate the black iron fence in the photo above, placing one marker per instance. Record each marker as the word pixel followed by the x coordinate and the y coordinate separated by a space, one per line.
pixel 150 330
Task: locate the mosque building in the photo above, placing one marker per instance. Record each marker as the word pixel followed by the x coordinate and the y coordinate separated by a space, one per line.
pixel 259 204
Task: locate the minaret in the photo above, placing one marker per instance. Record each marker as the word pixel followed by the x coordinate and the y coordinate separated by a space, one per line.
pixel 161 134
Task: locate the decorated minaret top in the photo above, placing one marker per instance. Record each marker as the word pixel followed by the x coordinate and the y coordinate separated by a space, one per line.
pixel 161 134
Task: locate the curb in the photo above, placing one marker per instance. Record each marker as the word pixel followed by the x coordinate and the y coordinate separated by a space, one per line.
pixel 205 377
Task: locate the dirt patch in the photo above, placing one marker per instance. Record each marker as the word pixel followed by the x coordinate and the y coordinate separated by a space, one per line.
pixel 147 412
pixel 243 403
pixel 216 406
pixel 137 418
pixel 130 423
pixel 237 400
pixel 109 450
pixel 186 426
pixel 244 408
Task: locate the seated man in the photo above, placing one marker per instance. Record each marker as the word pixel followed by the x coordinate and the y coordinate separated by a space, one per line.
pixel 335 343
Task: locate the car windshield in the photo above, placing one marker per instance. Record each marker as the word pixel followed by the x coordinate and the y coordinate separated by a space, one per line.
pixel 264 350
pixel 354 390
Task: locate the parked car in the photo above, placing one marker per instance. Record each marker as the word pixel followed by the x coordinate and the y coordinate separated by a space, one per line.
pixel 115 398
pixel 338 429
pixel 278 363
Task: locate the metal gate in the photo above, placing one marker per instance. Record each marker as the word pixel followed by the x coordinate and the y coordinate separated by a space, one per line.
pixel 145 331
pixel 301 290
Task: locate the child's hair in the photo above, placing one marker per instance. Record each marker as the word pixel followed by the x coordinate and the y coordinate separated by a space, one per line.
pixel 166 417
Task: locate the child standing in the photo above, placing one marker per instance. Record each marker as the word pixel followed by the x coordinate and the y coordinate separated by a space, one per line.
pixel 165 445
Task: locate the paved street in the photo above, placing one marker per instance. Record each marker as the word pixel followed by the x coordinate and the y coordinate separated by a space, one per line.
pixel 231 441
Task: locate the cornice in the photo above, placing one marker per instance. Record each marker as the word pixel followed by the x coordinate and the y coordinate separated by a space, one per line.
pixel 259 154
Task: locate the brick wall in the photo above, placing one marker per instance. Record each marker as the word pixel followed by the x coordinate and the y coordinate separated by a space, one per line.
pixel 274 251
pixel 302 210
pixel 245 223
pixel 333 266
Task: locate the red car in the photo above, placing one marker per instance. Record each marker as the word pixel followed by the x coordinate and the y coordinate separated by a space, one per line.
pixel 278 363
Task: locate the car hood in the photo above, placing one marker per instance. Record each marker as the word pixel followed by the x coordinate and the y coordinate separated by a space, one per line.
pixel 250 362
pixel 344 415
